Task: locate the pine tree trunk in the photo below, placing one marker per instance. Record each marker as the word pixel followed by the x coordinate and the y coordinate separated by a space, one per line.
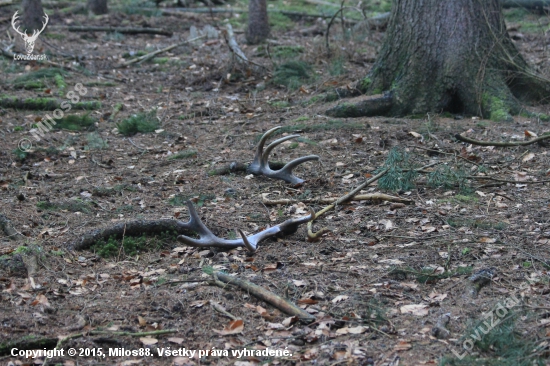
pixel 33 15
pixel 98 7
pixel 451 56
pixel 258 23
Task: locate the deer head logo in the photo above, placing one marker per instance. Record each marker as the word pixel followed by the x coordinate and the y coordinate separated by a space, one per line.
pixel 29 40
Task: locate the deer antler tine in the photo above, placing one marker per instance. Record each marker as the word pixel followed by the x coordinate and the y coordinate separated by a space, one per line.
pixel 271 146
pixel 294 163
pixel 195 221
pixel 261 143
pixel 250 247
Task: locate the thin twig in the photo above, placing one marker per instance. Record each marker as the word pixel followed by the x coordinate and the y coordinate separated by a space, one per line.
pixel 500 143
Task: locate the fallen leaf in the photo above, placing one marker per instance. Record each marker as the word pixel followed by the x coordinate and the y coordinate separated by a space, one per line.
pixel 148 341
pixel 415 309
pixel 339 298
pixel 234 327
pixel 487 240
pixel 402 346
pixel 528 157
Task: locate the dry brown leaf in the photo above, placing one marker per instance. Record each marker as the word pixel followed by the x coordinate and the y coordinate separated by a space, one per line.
pixel 141 321
pixel 41 300
pixel 402 346
pixel 528 157
pixel 487 240
pixel 234 327
pixel 176 340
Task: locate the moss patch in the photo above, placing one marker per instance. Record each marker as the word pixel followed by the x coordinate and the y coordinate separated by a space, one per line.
pixel 139 123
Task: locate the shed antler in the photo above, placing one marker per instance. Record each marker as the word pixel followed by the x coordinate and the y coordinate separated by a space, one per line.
pixel 260 165
pixel 208 239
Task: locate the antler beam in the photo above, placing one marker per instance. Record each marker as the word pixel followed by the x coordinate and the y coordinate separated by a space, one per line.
pixel 260 165
pixel 208 239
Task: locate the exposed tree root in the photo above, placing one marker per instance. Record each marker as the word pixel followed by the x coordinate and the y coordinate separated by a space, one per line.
pixel 150 55
pixel 363 106
pixel 500 143
pixel 264 295
pixel 124 30
pixel 360 197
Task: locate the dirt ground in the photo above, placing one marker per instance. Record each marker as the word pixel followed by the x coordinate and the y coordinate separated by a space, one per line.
pixel 379 283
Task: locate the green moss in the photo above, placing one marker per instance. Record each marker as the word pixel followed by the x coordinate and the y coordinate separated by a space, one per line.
pixel 131 246
pixel 76 205
pixel 280 104
pixel 101 83
pixel 300 119
pixel 498 109
pixel 144 122
pixel 365 84
pixel 60 83
pixel 183 155
pixel 160 60
pixel 74 122
pixel 280 22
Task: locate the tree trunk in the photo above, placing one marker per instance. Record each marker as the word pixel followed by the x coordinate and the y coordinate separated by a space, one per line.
pixel 98 7
pixel 453 56
pixel 258 23
pixel 33 15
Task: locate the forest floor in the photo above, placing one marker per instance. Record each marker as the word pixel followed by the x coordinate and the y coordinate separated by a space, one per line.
pixel 379 284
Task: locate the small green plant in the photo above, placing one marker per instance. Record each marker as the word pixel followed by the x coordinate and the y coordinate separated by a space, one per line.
pixel 396 178
pixel 95 142
pixel 35 79
pixel 181 200
pixel 292 74
pixel 466 251
pixel 336 67
pixel 60 83
pixel 144 122
pixel 18 128
pixel 446 177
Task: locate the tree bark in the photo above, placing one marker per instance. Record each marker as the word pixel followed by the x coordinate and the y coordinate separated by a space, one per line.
pixel 98 7
pixel 33 15
pixel 258 23
pixel 453 56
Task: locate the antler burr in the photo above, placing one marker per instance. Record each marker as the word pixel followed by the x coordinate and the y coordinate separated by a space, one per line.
pixel 208 239
pixel 260 165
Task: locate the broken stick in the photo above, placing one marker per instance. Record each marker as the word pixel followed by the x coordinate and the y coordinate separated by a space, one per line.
pixel 265 295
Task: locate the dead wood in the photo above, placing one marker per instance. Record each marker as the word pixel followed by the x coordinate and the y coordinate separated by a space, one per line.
pixel 150 55
pixel 265 295
pixel 232 43
pixel 328 200
pixel 43 104
pixel 478 280
pixel 132 228
pixel 124 30
pixel 440 330
pixel 6 3
pixel 8 229
pixel 499 143
pixel 315 236
pixel 375 105
pixel 527 4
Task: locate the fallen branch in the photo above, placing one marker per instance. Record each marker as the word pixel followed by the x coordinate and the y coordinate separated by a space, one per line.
pixel 124 30
pixel 44 104
pixel 329 200
pixel 315 236
pixel 229 37
pixel 507 181
pixel 265 295
pixel 500 144
pixel 8 229
pixel 527 4
pixel 132 228
pixel 150 55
